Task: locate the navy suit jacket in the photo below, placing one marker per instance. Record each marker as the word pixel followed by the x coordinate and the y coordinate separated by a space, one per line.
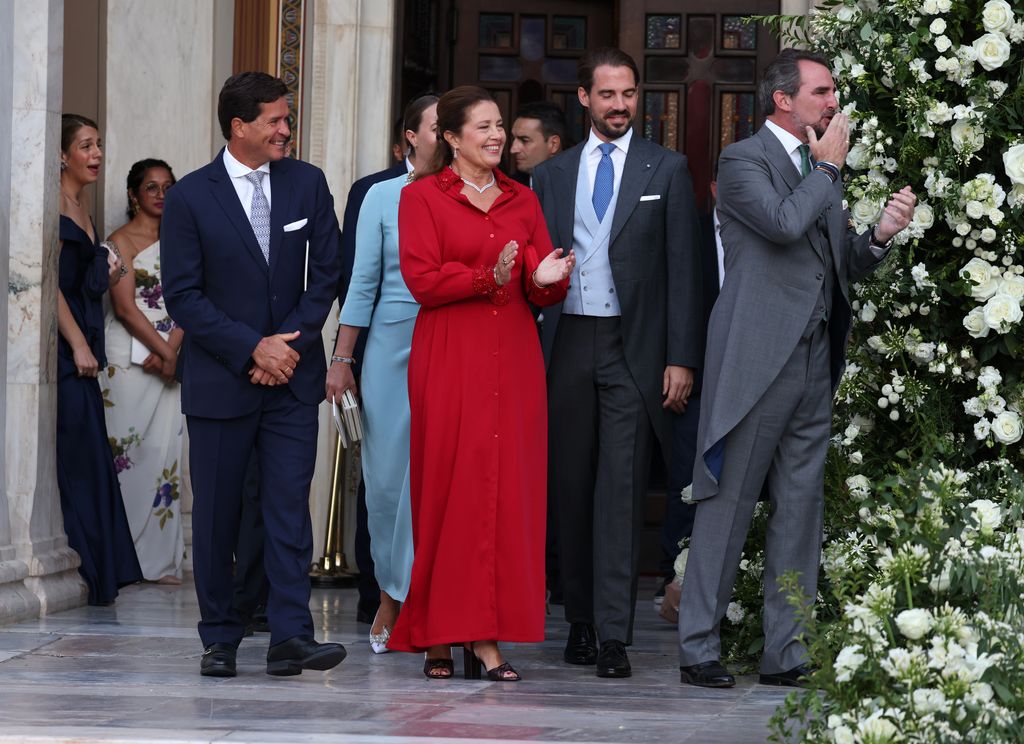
pixel 219 289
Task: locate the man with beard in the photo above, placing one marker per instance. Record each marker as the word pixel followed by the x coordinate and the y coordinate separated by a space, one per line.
pixel 776 345
pixel 621 350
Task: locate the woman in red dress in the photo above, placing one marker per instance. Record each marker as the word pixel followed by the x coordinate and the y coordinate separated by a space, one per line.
pixel 474 249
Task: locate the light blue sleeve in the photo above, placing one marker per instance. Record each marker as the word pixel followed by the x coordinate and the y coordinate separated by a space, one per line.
pixel 369 261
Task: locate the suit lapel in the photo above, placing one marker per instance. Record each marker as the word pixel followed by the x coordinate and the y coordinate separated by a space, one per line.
pixel 225 194
pixel 566 173
pixel 641 160
pixel 281 193
pixel 780 161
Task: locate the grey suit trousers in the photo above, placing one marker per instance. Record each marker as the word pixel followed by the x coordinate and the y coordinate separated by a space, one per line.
pixel 783 439
pixel 600 441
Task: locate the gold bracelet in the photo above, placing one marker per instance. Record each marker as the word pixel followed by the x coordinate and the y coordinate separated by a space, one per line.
pixel 533 278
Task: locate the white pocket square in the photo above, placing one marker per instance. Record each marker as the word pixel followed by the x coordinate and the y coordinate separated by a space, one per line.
pixel 650 197
pixel 292 226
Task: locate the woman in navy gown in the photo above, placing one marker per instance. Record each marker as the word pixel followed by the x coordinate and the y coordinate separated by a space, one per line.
pixel 94 516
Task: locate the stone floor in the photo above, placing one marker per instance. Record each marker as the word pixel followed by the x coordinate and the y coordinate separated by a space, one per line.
pixel 129 673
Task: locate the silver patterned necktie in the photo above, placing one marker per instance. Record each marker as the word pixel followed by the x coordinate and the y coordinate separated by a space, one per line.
pixel 259 212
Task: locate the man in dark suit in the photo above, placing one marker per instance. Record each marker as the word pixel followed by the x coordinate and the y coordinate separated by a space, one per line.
pixel 538 133
pixel 776 352
pixel 250 268
pixel 621 349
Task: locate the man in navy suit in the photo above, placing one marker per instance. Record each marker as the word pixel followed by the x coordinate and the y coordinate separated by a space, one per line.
pixel 249 254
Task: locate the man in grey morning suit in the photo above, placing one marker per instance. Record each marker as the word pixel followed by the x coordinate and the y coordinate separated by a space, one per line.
pixel 776 350
pixel 621 349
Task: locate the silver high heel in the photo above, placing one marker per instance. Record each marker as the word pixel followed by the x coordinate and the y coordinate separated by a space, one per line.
pixel 379 641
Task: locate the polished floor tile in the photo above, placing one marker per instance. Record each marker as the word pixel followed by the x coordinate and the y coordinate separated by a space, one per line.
pixel 129 673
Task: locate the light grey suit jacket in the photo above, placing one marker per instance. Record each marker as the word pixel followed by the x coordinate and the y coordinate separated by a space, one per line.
pixel 775 230
pixel 654 252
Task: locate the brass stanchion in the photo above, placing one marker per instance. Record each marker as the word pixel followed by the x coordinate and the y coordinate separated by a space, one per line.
pixel 331 571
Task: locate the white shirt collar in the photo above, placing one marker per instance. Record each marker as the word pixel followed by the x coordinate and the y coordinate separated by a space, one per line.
pixel 622 143
pixel 408 166
pixel 789 141
pixel 236 169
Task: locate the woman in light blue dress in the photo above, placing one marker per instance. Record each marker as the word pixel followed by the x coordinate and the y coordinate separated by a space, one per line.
pixel 379 301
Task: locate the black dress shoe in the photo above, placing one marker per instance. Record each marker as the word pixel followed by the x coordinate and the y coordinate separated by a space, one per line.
pixel 612 660
pixel 706 674
pixel 581 648
pixel 218 661
pixel 795 677
pixel 302 652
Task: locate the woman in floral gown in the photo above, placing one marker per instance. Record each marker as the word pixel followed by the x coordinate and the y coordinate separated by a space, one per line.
pixel 143 408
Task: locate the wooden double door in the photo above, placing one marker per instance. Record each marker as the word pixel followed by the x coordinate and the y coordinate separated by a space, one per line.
pixel 699 63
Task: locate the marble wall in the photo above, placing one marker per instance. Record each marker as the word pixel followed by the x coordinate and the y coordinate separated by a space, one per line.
pixel 37 569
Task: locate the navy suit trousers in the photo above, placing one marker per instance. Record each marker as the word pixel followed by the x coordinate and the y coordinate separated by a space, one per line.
pixel 284 432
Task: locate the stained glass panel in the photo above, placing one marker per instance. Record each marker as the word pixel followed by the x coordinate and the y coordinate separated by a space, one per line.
pixel 560 71
pixel 663 32
pixel 664 69
pixel 496 30
pixel 569 33
pixel 734 70
pixel 661 118
pixel 738 35
pixel 736 117
pixel 700 35
pixel 531 38
pixel 493 67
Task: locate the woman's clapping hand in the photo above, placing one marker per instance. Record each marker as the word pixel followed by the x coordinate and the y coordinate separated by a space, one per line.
pixel 554 268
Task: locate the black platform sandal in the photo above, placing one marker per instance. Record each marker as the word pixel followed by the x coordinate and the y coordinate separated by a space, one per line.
pixel 438 668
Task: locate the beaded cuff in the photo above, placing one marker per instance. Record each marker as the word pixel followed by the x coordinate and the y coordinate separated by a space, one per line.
pixel 484 284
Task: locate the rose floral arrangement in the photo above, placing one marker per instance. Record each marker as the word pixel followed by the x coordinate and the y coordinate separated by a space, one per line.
pixel 918 627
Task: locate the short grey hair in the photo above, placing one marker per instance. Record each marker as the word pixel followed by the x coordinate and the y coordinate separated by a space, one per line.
pixel 783 73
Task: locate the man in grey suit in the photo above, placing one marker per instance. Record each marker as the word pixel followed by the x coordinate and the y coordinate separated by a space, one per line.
pixel 776 350
pixel 621 349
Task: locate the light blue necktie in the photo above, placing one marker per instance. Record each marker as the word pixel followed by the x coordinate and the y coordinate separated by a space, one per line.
pixel 604 181
pixel 259 213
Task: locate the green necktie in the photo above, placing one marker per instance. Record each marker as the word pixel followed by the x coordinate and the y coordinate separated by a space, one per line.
pixel 805 159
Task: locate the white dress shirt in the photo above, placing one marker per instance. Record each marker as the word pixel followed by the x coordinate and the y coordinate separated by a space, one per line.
pixel 719 248
pixel 591 156
pixel 790 143
pixel 238 172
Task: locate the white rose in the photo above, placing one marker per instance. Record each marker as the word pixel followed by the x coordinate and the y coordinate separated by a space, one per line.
pixel 966 136
pixel 1013 163
pixel 1013 285
pixel 987 515
pixel 1006 427
pixel 975 209
pixel 997 15
pixel 1001 312
pixel 856 457
pixel 858 157
pixel 735 613
pixel 942 43
pixel 679 566
pixel 847 662
pixel 867 211
pixel 939 25
pixel 993 50
pixel 974 407
pixel 859 485
pixel 930 7
pixel 980 274
pixel 868 312
pixel 944 5
pixel 987 235
pixel 974 322
pixel 989 376
pixel 914 623
pixel 924 216
pixel 982 429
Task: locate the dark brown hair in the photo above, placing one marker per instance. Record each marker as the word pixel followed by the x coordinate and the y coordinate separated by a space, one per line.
pixel 69 126
pixel 413 116
pixel 242 96
pixel 783 73
pixel 611 56
pixel 452 112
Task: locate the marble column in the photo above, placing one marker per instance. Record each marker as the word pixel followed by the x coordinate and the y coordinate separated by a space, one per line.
pixel 348 136
pixel 36 524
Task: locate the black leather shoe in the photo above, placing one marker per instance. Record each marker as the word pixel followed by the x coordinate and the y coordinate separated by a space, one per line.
pixel 612 660
pixel 581 648
pixel 218 661
pixel 795 677
pixel 706 674
pixel 302 652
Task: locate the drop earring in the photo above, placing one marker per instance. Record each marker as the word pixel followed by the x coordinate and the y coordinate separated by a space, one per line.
pixel 63 166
